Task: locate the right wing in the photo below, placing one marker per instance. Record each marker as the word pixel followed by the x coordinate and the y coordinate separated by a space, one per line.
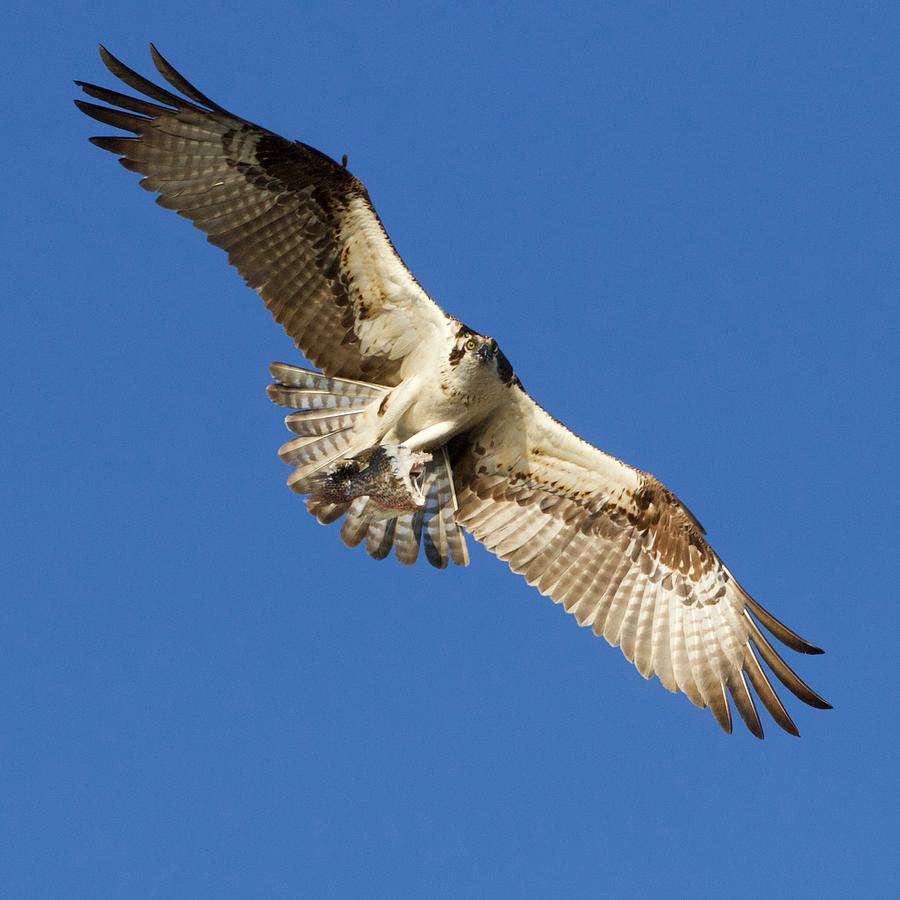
pixel 623 555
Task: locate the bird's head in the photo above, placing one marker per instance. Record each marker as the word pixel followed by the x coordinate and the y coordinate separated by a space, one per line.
pixel 479 353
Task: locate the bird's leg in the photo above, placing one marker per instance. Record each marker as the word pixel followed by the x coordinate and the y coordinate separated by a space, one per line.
pixel 432 436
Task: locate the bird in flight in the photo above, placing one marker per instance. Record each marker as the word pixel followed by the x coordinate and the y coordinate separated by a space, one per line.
pixel 418 430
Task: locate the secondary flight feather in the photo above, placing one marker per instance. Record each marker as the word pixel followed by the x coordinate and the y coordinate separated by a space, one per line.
pixel 417 430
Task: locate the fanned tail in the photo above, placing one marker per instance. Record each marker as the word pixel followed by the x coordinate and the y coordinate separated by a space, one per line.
pixel 327 409
pixel 301 389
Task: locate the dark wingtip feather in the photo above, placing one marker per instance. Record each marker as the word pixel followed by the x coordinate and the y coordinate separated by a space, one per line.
pixel 766 692
pixel 114 98
pixel 139 83
pixel 112 144
pixel 178 81
pixel 114 117
pixel 720 709
pixel 743 700
pixel 778 628
pixel 108 59
pixel 785 674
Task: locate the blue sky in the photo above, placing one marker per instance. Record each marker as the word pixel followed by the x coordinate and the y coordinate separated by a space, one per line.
pixel 681 222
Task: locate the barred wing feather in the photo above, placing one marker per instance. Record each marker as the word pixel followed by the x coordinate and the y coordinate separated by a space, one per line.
pixel 296 224
pixel 623 555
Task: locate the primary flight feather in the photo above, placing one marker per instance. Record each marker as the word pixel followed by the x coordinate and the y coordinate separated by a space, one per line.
pixel 418 429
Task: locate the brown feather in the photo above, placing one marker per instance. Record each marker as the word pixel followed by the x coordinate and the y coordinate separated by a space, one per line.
pixel 783 671
pixel 621 553
pixel 767 693
pixel 743 700
pixel 289 216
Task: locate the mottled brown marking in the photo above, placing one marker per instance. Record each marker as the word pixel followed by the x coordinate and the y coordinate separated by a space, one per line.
pixel 656 511
pixel 311 191
pixel 456 354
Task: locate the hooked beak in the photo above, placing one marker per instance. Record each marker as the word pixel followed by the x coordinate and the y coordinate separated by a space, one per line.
pixel 485 354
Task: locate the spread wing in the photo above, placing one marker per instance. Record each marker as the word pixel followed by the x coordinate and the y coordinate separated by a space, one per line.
pixel 296 224
pixel 624 556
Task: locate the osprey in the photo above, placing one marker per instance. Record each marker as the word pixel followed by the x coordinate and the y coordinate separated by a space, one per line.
pixel 417 428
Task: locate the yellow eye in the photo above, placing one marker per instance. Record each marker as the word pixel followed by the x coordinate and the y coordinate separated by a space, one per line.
pixel 470 344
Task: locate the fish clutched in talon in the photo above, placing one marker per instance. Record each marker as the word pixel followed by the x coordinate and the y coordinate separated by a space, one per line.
pixel 385 474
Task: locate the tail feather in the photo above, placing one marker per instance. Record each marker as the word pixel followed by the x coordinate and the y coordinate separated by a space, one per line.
pixel 326 411
pixel 313 447
pixel 327 408
pixel 453 535
pixel 317 422
pixel 356 524
pixel 310 454
pixel 407 536
pixel 312 392
pixel 443 539
pixel 325 512
pixel 306 381
pixel 380 538
pixel 434 540
pixel 433 527
pixel 299 398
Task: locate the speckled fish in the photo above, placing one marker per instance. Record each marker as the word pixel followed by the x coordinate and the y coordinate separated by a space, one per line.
pixel 384 474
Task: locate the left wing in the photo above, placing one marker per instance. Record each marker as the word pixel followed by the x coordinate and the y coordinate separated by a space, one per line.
pixel 622 554
pixel 296 224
